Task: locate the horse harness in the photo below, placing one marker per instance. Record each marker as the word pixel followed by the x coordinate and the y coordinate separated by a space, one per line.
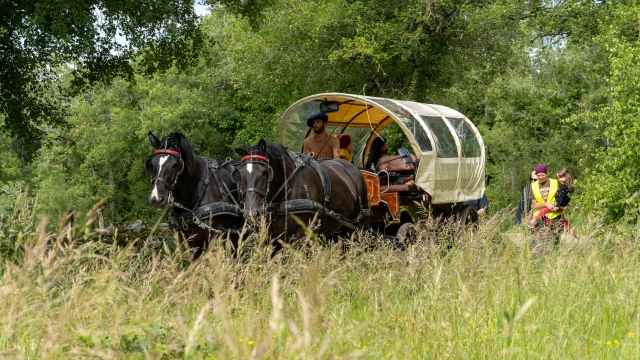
pixel 200 214
pixel 304 206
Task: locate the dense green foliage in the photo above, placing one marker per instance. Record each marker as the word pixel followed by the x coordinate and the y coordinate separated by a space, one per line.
pixel 86 38
pixel 546 82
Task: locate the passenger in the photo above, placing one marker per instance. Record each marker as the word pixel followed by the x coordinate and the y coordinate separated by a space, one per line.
pixel 376 150
pixel 563 197
pixel 346 147
pixel 321 144
pixel 524 206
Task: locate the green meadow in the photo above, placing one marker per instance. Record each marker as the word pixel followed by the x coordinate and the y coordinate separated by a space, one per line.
pixel 68 293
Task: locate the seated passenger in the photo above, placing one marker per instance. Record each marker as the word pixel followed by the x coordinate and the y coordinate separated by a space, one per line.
pixel 376 150
pixel 346 147
pixel 321 144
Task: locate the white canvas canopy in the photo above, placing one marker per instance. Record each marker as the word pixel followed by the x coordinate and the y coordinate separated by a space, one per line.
pixel 449 147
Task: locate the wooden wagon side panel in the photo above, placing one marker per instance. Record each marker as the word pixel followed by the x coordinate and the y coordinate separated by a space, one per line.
pixel 393 203
pixel 373 187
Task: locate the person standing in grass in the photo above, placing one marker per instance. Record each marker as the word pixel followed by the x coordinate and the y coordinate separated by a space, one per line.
pixel 563 196
pixel 543 192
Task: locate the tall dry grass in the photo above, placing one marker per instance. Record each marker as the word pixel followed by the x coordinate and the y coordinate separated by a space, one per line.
pixel 66 294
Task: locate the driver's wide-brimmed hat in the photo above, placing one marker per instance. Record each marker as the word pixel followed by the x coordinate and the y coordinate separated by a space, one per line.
pixel 321 116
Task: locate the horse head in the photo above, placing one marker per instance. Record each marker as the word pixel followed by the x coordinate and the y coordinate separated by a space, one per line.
pixel 172 156
pixel 254 175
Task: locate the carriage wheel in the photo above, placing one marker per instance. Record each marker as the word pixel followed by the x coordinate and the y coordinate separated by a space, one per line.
pixel 467 216
pixel 407 234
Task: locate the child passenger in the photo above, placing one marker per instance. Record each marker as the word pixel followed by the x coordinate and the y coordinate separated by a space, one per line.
pixel 563 195
pixel 346 147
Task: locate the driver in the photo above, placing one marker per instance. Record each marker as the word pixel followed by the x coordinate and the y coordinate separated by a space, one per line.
pixel 321 144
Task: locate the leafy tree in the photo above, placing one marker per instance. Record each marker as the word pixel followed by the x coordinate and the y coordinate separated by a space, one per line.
pixel 12 168
pixel 39 37
pixel 612 171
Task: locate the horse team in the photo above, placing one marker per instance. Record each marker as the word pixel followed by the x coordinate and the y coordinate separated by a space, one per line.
pixel 213 197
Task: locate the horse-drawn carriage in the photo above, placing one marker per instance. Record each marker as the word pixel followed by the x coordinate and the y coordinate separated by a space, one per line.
pixel 444 169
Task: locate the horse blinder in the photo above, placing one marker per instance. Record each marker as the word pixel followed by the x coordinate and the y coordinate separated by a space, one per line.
pixel 181 165
pixel 148 166
pixel 270 173
pixel 235 175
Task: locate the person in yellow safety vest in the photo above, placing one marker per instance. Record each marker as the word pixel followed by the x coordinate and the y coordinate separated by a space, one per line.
pixel 543 192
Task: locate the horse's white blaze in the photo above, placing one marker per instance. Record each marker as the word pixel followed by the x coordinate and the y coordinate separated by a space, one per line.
pixel 250 168
pixel 154 193
pixel 162 161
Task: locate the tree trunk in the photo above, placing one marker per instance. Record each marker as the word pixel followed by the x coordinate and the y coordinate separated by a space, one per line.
pixel 100 219
pixel 113 203
pixel 100 216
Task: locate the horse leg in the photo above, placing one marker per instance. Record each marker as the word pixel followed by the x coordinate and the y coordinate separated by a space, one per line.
pixel 197 244
pixel 196 253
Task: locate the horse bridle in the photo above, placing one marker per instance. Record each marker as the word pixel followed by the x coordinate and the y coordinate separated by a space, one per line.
pixel 261 160
pixel 172 153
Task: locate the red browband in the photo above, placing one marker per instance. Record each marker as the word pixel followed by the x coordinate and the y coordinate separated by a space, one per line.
pixel 172 152
pixel 259 157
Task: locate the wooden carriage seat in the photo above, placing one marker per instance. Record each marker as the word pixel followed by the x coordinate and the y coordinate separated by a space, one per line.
pixel 397 170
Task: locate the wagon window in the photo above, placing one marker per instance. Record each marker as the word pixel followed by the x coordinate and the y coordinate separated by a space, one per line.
pixel 468 141
pixel 418 132
pixel 395 138
pixel 445 143
pixel 295 126
pixel 410 122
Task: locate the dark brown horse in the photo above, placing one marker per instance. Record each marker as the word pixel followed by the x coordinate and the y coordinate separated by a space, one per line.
pixel 279 183
pixel 203 198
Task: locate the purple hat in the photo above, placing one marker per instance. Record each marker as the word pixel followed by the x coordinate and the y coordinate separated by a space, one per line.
pixel 541 169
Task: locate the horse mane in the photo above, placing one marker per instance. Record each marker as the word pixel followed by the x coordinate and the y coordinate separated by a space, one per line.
pixel 277 153
pixel 180 143
pixel 280 152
